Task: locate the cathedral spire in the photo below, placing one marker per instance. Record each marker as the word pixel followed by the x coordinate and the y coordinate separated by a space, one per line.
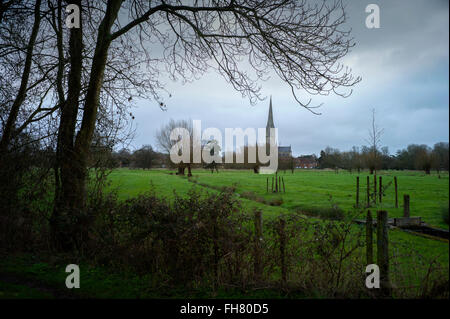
pixel 270 118
pixel 269 123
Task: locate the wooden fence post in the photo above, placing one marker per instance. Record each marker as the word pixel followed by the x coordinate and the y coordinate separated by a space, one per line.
pixel 380 193
pixel 406 206
pixel 383 252
pixel 279 183
pixel 369 238
pixel 396 192
pixel 357 191
pixel 375 188
pixel 276 182
pixel 272 184
pixel 284 187
pixel 283 250
pixel 258 245
pixel 368 191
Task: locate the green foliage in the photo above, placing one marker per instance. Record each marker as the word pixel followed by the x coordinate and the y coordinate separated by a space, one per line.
pixel 177 240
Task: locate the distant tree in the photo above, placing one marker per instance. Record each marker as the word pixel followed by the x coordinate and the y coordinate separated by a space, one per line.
pixel 330 158
pixel 373 157
pixel 357 159
pixel 423 159
pixel 166 144
pixel 346 161
pixel 415 157
pixel 122 158
pixel 144 157
pixel 403 160
pixel 387 161
pixel 441 156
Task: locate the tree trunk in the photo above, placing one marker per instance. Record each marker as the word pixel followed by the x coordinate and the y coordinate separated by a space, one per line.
pixel 69 220
pixel 68 205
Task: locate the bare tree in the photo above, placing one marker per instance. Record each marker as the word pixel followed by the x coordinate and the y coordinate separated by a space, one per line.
pixel 165 143
pixel 374 140
pixel 19 99
pixel 122 48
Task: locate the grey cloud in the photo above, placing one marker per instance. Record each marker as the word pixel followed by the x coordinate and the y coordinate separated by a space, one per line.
pixel 404 66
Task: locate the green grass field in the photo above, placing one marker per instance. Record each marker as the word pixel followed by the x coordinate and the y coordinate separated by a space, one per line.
pixel 306 189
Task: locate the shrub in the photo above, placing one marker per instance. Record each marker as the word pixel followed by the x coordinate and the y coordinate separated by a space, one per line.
pixel 206 241
pixel 26 182
pixel 184 241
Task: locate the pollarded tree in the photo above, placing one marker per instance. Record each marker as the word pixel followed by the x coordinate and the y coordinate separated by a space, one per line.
pixel 302 42
pixel 165 143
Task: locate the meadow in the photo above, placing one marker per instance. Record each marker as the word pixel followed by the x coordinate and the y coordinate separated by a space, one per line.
pixel 306 190
pixel 309 191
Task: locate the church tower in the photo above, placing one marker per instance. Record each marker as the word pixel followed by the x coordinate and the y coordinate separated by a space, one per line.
pixel 269 122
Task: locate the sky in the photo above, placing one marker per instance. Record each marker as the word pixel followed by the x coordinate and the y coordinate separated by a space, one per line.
pixel 404 68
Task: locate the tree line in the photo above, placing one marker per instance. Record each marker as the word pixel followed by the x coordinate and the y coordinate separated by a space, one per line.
pixel 413 157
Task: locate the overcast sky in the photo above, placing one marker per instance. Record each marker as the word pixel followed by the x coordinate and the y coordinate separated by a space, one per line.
pixel 404 69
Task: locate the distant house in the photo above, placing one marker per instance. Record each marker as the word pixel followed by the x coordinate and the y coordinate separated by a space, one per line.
pixel 306 161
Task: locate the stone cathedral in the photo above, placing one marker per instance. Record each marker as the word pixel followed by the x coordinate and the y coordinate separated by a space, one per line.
pixel 283 151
